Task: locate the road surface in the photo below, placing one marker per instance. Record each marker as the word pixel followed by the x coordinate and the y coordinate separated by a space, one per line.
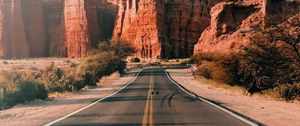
pixel 152 99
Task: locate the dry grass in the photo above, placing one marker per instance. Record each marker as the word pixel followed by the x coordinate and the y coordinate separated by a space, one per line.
pixel 166 62
pixel 108 79
pixel 216 84
pixel 36 63
pixel 59 95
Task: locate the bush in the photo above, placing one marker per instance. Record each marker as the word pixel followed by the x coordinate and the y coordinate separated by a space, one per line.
pixel 214 71
pixel 25 90
pixel 231 66
pixel 264 66
pixel 290 92
pixel 120 48
pixel 135 60
pixel 205 72
pixel 102 64
pixel 28 90
pixel 73 65
pixel 209 57
pixel 260 66
pixel 5 62
pixel 88 79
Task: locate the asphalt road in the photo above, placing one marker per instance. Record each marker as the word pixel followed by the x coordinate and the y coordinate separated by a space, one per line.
pixel 152 99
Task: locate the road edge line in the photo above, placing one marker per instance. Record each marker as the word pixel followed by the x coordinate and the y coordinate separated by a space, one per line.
pixel 213 104
pixel 101 99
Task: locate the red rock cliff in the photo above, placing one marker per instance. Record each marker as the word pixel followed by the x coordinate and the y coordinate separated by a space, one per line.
pixel 12 30
pixel 137 23
pixel 162 28
pixel 158 28
pixel 78 37
pixel 231 24
pixel 35 27
pixel 55 28
pixel 38 28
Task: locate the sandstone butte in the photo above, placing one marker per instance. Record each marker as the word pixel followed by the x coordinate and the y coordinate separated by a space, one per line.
pixel 157 28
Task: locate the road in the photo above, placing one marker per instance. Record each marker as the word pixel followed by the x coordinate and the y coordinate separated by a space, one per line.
pixel 152 99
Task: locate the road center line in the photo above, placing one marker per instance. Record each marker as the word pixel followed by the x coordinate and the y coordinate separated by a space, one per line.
pixel 151 118
pixel 149 105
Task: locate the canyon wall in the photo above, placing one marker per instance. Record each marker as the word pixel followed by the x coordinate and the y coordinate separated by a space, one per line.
pixel 12 30
pixel 157 28
pixel 1 28
pixel 32 11
pixel 79 33
pixel 233 23
pixel 229 28
pixel 162 28
pixel 41 28
pixel 55 28
pixel 137 23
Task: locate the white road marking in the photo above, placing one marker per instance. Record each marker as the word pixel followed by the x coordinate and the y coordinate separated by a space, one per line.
pixel 73 113
pixel 213 104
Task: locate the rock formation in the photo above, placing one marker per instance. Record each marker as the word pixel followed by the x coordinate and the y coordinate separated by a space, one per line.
pixel 35 29
pixel 162 29
pixel 39 28
pixel 157 28
pixel 230 27
pixel 55 28
pixel 1 28
pixel 12 30
pixel 232 24
pixel 80 22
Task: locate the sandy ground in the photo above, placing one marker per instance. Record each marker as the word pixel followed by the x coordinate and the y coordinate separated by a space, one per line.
pixel 38 63
pixel 262 109
pixel 42 112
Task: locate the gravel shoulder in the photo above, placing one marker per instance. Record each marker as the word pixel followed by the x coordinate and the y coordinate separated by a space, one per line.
pixel 42 112
pixel 268 111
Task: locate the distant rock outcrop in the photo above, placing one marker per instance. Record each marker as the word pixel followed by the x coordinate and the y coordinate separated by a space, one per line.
pixel 40 28
pixel 12 30
pixel 164 28
pixel 231 26
pixel 55 28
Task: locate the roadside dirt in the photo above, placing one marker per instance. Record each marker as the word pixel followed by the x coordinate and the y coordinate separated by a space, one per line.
pixel 268 111
pixel 36 63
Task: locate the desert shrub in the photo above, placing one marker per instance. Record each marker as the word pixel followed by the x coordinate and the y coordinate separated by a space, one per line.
pixel 74 83
pixel 205 72
pixel 214 71
pixel 88 79
pixel 102 64
pixel 209 57
pixel 27 90
pixel 290 92
pixel 73 65
pixel 121 66
pixel 54 79
pixel 231 66
pixel 259 66
pixel 5 62
pixel 120 48
pixel 263 66
pixel 24 90
pixel 135 60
